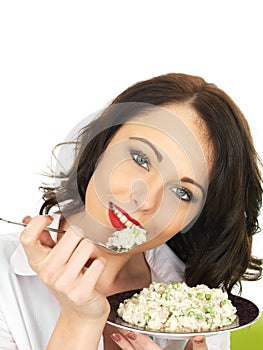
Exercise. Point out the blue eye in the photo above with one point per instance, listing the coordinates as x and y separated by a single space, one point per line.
141 159
183 193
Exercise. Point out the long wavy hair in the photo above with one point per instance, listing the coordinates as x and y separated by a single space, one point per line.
217 248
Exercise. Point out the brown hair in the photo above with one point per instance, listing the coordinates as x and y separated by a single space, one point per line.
217 248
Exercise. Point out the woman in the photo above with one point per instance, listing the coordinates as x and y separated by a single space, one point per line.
173 155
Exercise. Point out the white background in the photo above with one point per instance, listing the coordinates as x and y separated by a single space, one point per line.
62 60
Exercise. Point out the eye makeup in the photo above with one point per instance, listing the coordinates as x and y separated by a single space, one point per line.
143 161
140 158
183 193
147 142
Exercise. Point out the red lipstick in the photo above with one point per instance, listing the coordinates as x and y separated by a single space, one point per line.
115 221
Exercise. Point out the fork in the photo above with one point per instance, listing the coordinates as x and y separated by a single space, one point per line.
112 249
22 224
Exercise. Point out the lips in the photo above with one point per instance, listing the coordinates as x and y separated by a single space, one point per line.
120 219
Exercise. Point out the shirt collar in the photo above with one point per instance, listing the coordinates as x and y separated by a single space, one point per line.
165 265
18 261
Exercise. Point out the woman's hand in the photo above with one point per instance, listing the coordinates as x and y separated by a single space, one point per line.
62 268
138 341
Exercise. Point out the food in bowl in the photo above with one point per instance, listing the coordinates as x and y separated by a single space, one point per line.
175 307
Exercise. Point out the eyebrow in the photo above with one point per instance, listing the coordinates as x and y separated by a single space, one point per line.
191 181
157 153
185 179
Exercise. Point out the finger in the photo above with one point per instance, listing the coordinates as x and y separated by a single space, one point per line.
137 341
65 247
79 258
26 219
199 343
90 278
122 342
30 239
79 286
46 239
196 343
34 227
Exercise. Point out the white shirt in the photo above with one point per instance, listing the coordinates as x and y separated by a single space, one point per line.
29 312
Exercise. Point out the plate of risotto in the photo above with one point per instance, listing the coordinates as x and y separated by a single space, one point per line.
177 311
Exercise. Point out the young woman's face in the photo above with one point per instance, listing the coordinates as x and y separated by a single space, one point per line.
154 173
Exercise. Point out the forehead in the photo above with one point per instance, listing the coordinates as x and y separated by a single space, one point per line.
172 128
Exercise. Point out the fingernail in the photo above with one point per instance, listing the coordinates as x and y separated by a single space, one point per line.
49 216
199 340
115 337
27 217
131 335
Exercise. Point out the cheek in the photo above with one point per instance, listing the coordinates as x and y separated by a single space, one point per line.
120 179
172 217
113 181
181 220
93 199
126 182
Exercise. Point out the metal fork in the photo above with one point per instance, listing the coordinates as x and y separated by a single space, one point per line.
22 224
112 249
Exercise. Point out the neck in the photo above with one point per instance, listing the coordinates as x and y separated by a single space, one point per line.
124 272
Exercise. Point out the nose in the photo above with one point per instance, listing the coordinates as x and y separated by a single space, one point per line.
148 194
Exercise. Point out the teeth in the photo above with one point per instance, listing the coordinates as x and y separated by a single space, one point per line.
122 217
129 224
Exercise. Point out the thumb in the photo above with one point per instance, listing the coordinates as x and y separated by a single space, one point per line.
45 237
196 343
26 219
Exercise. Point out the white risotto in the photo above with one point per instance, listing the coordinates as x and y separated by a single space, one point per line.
175 307
124 240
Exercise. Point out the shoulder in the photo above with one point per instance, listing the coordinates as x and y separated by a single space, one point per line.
165 265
